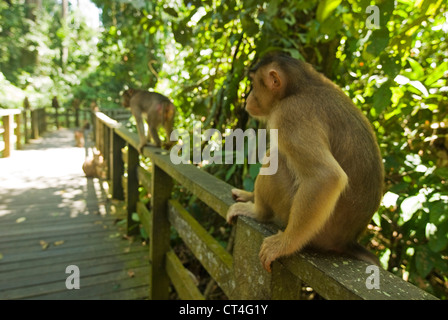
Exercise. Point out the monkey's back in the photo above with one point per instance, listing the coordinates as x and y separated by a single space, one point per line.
354 146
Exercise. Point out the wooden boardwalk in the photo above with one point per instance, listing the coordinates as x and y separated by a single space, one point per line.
52 216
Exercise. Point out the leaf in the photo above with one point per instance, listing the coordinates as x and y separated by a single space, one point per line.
250 27
230 172
254 169
438 212
379 40
423 261
135 217
436 74
325 8
171 11
381 99
114 235
1 256
58 243
131 273
391 65
143 233
411 205
420 87
438 237
44 244
417 69
442 173
20 220
248 184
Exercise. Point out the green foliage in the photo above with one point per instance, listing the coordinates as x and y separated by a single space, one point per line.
30 53
198 52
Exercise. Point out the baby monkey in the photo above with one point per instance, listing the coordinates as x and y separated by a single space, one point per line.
157 109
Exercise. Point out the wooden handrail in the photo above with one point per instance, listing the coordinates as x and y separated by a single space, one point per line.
240 275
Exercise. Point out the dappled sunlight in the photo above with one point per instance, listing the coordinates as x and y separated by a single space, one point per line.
49 172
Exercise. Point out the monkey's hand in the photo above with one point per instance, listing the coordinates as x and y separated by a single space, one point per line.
240 209
271 249
242 196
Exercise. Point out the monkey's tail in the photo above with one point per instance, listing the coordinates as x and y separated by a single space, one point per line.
357 251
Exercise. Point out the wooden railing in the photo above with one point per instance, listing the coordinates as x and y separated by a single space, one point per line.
18 126
240 274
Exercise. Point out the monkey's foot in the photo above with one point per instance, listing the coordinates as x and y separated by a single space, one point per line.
271 249
242 195
240 209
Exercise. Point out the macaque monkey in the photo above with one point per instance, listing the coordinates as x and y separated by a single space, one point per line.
156 108
329 180
93 166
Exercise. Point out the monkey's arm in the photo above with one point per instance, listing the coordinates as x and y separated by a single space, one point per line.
322 181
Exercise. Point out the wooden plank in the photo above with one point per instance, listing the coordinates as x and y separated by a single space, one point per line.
110 266
333 277
213 191
91 286
132 189
33 275
181 279
159 234
215 259
144 178
18 130
130 137
111 123
6 112
117 166
8 125
145 217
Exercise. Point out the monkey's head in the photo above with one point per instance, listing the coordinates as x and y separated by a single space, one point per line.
275 77
127 95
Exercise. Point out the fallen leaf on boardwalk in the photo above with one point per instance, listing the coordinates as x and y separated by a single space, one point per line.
20 220
127 250
1 256
115 235
131 274
44 244
58 243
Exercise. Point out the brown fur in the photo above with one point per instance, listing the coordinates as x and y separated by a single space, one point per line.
93 166
156 108
330 175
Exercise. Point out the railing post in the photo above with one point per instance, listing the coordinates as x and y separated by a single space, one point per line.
117 165
132 189
8 125
162 185
279 284
25 125
19 130
34 124
42 121
106 151
25 112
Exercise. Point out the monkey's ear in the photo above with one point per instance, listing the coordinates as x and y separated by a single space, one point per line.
275 81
